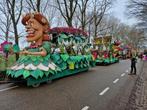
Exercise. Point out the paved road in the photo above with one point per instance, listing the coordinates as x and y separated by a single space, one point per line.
92 90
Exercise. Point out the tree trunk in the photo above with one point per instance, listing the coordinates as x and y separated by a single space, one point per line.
95 31
38 5
69 22
16 38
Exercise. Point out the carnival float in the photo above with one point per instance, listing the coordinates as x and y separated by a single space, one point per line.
145 55
52 53
5 51
104 51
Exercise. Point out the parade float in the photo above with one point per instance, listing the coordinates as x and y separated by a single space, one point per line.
4 47
1 60
145 55
105 52
52 53
116 50
127 51
1 50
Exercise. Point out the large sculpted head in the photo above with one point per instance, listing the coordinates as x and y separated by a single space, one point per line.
36 26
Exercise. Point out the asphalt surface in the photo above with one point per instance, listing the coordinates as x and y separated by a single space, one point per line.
101 88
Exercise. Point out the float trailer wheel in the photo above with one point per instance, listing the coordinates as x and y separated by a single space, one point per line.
36 85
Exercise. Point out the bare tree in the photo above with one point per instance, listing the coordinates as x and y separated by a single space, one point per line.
138 9
46 7
100 8
126 34
37 5
67 10
5 21
15 10
76 23
50 11
82 13
135 37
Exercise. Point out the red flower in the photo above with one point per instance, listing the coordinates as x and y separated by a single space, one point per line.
70 30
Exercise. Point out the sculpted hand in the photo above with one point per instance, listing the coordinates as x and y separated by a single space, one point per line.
24 52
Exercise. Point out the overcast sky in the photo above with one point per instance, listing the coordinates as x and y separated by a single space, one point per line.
119 11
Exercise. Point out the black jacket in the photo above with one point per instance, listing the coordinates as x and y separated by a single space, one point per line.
133 61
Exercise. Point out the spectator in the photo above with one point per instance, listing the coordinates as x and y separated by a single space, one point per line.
133 65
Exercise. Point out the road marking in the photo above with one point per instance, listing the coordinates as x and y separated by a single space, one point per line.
116 80
104 91
127 71
85 108
8 88
123 74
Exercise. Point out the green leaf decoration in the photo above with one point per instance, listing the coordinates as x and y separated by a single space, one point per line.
27 62
59 61
26 74
55 72
36 63
79 58
47 46
22 59
46 73
33 58
35 74
87 58
41 73
45 63
63 66
58 69
25 58
55 57
74 59
52 72
77 65
18 73
64 36
90 56
8 72
7 48
69 61
12 73
41 59
83 58
59 39
85 65
64 57
38 57
47 58
16 48
78 38
81 65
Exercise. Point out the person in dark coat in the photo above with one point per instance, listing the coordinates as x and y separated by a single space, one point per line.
133 65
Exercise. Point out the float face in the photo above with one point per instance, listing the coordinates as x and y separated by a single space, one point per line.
44 60
34 60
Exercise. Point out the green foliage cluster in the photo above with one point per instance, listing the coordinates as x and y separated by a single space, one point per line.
10 61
